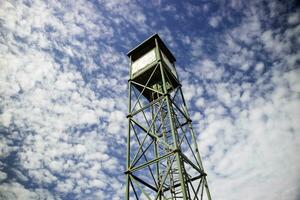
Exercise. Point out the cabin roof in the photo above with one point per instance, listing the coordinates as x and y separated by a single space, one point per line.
149 44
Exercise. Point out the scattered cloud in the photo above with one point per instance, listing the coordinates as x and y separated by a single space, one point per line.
63 98
214 21
294 18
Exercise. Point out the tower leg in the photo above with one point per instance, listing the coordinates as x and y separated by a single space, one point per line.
195 145
175 139
128 145
156 153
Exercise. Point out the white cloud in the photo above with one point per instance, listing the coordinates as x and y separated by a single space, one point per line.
65 187
258 142
200 102
294 18
47 98
196 46
207 69
259 66
116 122
63 88
17 191
248 132
215 21
128 11
192 9
3 176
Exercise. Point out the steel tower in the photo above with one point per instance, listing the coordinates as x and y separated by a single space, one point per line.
163 161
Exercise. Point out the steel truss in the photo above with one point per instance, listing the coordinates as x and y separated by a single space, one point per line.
163 160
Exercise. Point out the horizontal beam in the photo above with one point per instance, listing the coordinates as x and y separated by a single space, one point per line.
136 83
146 106
149 162
144 183
189 180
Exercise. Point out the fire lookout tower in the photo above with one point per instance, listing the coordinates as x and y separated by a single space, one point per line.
163 161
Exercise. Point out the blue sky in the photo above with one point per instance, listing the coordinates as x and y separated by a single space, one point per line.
63 93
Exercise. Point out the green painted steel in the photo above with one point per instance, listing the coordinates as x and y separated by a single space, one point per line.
163 159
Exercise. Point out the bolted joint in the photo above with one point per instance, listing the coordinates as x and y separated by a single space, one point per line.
203 174
177 150
129 115
166 94
127 172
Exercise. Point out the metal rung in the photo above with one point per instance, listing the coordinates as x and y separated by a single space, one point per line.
178 192
163 164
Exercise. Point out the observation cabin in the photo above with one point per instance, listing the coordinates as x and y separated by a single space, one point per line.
145 72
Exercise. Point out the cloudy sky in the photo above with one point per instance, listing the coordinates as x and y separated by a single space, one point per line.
63 93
